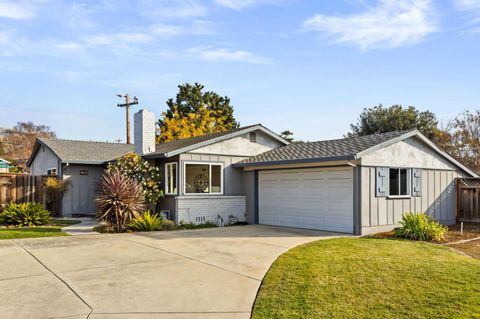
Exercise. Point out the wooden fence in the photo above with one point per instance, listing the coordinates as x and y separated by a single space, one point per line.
20 188
468 199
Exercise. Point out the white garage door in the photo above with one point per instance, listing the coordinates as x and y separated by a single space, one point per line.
307 198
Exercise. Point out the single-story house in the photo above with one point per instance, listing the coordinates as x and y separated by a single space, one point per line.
5 166
356 185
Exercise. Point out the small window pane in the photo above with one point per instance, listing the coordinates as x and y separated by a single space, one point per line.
394 182
171 187
196 178
216 179
253 137
403 182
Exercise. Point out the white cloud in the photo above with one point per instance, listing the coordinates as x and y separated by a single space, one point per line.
173 8
196 27
243 4
212 54
15 10
70 46
391 23
117 39
472 10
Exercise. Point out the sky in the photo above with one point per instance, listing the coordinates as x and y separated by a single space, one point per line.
309 66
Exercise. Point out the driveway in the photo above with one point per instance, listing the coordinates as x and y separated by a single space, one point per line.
211 273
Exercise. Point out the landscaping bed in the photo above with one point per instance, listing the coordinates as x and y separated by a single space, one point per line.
370 278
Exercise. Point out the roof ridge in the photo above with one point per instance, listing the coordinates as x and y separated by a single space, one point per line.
84 141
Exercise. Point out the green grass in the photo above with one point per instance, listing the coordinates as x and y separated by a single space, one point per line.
31 232
370 278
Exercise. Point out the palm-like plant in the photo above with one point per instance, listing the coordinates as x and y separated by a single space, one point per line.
119 200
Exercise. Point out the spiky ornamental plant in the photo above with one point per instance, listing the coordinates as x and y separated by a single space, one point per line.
148 176
119 199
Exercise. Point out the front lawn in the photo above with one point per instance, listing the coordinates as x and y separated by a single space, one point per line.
370 278
31 232
471 248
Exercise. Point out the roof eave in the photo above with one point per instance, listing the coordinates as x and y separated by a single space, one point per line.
297 161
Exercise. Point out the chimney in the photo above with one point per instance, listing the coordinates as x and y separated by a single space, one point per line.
144 132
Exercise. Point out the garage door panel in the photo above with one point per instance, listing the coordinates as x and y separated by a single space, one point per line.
307 198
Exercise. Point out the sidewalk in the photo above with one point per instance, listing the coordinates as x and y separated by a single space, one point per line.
84 228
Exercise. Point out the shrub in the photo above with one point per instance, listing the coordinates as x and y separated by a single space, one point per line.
54 189
207 224
146 222
419 226
168 225
25 215
148 176
119 200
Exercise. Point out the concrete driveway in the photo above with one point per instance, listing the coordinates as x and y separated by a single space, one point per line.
211 273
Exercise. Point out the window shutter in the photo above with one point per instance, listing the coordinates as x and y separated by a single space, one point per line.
416 182
382 181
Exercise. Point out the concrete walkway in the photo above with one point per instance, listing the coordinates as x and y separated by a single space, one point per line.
210 273
84 228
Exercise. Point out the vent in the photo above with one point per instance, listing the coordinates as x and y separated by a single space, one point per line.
253 137
200 219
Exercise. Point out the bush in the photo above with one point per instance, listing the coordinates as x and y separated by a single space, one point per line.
25 215
146 222
419 226
168 225
207 224
119 200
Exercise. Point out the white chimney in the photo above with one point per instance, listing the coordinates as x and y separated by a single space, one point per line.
144 132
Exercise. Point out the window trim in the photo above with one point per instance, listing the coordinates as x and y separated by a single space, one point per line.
166 178
409 184
184 173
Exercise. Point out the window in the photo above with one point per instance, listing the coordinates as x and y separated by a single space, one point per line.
52 172
171 178
253 137
203 178
399 182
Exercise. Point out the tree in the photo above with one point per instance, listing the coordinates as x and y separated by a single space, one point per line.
194 113
287 135
462 139
148 176
18 142
380 119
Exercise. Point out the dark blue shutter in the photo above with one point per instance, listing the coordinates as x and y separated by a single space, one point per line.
416 182
381 183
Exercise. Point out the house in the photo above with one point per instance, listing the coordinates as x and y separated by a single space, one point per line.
5 166
80 163
352 185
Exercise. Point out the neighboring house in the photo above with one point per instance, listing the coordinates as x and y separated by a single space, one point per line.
80 163
5 166
353 185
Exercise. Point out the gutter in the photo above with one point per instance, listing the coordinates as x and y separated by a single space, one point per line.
297 161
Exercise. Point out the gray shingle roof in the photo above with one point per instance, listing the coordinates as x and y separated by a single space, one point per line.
345 148
164 148
86 151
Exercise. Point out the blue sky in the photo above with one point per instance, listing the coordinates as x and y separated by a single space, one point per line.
310 66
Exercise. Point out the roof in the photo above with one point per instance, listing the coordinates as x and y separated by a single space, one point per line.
164 150
4 161
82 152
339 149
350 148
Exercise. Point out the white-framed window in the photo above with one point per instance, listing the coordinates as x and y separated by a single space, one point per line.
253 137
399 182
203 178
52 172
171 178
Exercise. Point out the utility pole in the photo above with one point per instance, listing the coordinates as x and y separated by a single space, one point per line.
127 105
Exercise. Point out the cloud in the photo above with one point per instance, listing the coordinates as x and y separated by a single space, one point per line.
243 4
391 23
472 10
197 27
117 39
173 8
212 54
15 10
